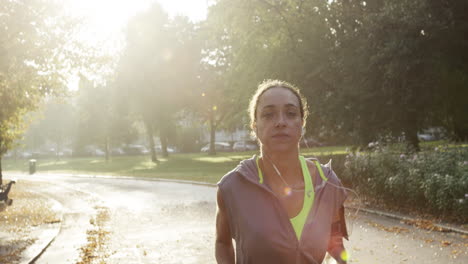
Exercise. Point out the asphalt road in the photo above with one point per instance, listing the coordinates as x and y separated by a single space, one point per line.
137 221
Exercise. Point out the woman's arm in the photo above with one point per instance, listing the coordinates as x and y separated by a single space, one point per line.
224 250
335 246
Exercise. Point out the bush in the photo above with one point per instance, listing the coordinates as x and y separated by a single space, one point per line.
435 180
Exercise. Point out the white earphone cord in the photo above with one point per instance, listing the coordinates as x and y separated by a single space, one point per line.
352 191
326 182
281 177
342 187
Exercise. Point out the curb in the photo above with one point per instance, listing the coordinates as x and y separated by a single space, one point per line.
45 235
444 228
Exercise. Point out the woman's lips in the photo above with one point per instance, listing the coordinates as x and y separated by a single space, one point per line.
281 135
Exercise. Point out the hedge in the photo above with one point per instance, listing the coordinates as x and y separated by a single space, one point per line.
433 181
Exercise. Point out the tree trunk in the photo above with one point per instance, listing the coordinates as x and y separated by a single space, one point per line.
212 134
460 132
1 174
411 134
163 139
107 149
412 142
149 131
57 156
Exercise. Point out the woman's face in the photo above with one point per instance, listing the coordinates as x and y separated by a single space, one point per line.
279 121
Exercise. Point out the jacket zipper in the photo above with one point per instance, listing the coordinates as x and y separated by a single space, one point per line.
282 212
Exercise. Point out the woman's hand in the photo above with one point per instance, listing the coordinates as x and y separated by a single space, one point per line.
335 246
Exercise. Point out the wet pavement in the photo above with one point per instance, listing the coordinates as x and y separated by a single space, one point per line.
145 222
136 221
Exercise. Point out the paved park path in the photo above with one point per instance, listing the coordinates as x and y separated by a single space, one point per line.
139 221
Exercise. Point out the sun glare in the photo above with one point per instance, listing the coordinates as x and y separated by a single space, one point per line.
105 20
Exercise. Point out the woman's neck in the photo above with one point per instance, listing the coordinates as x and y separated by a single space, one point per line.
286 162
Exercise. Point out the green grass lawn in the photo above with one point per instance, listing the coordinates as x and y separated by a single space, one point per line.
194 166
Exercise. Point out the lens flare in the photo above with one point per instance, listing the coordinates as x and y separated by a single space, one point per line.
167 55
287 190
344 255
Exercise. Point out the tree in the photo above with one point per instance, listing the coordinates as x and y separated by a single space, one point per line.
139 65
53 122
215 102
34 51
218 98
368 68
450 65
176 92
159 51
391 64
289 40
93 115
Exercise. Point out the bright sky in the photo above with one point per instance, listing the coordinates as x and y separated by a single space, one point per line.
106 19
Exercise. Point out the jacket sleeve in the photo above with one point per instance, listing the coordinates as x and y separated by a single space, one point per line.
338 227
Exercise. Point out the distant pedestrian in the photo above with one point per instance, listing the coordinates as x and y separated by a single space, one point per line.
279 207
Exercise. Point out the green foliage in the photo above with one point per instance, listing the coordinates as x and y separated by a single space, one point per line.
261 40
158 70
36 50
367 68
99 119
432 180
53 122
394 70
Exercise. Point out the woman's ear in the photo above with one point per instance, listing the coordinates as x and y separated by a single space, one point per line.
254 128
253 132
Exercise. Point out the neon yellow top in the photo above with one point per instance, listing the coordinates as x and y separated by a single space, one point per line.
299 220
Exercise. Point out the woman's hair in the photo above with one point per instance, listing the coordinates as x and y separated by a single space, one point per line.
268 84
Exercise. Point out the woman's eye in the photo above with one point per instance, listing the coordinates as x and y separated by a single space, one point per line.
267 115
292 114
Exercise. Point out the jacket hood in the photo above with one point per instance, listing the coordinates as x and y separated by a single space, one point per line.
248 169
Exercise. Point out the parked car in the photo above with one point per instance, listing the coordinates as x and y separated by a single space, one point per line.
117 151
26 155
426 137
47 153
219 146
244 146
66 152
169 149
98 152
88 151
135 150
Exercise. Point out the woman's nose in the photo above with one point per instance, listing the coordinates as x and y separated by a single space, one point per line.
281 121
